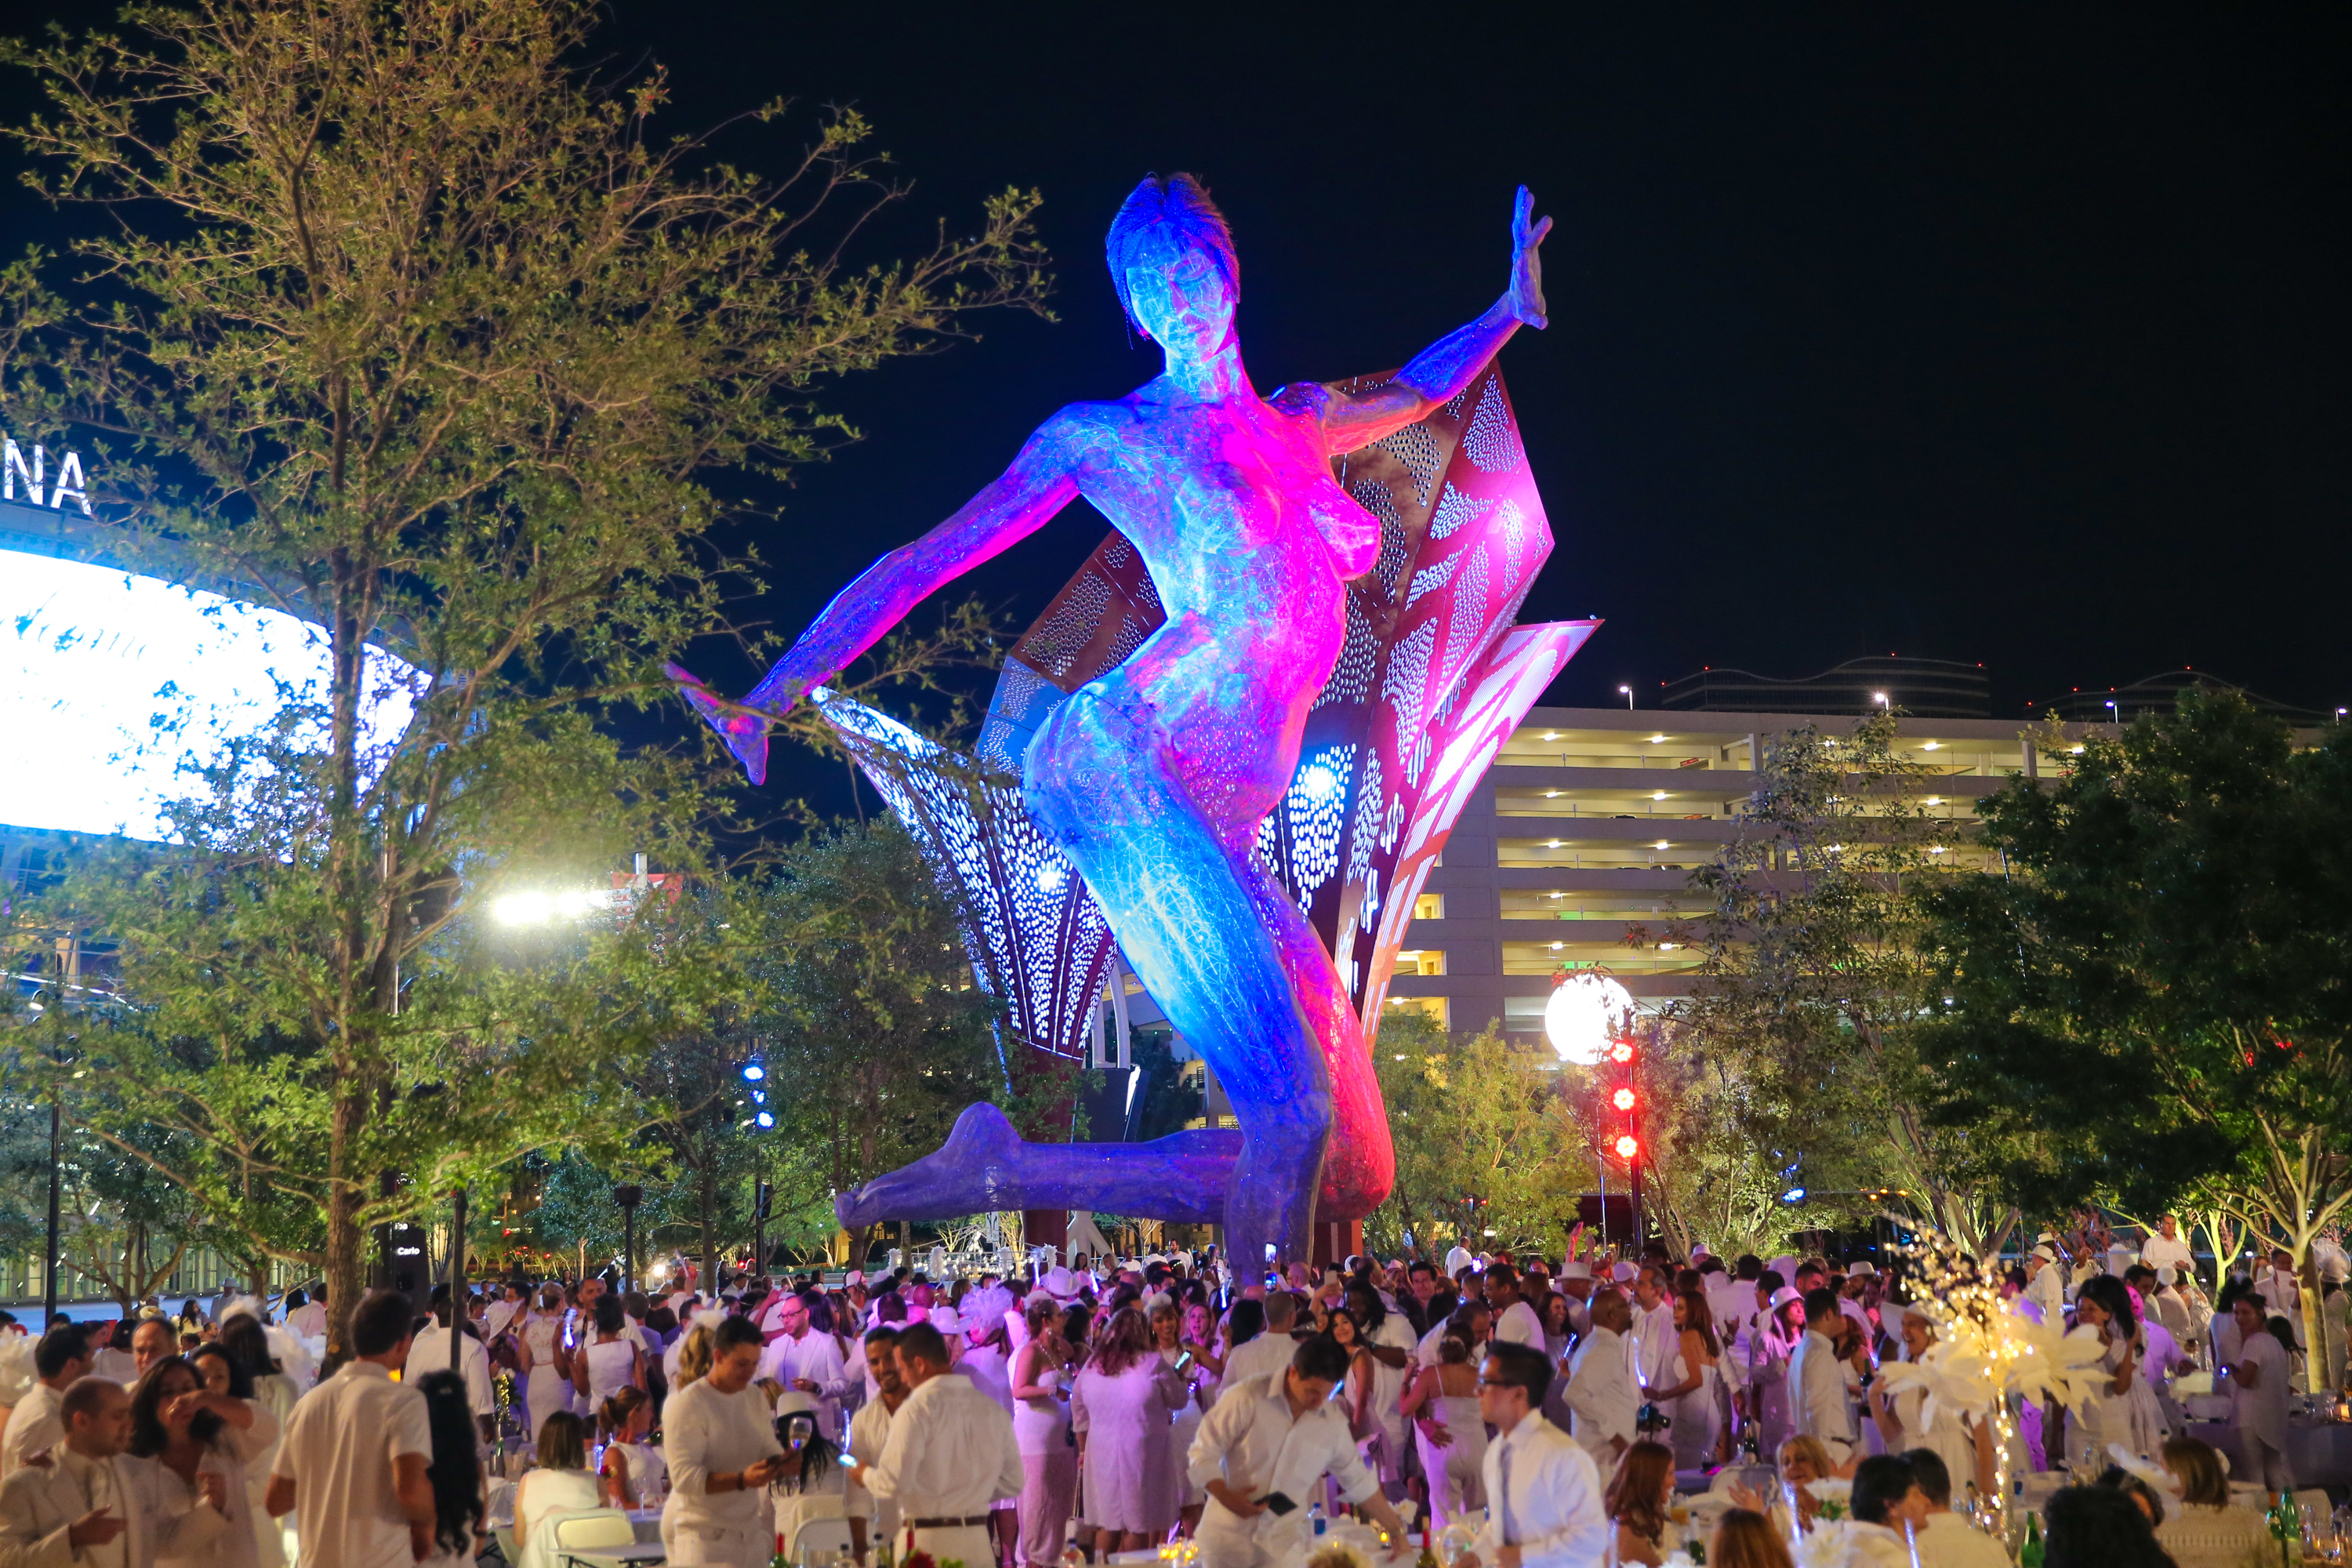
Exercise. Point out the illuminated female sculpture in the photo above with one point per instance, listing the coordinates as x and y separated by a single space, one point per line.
1153 779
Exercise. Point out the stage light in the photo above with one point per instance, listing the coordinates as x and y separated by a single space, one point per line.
1626 1146
1621 1052
1793 1195
524 908
1623 1099
1584 1013
755 1072
765 1119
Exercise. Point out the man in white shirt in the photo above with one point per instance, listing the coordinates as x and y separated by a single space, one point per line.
869 1434
350 1467
1575 1282
1945 1539
721 1446
502 1311
1269 1352
38 1423
84 1506
2282 1292
2258 1399
1457 1261
151 1342
949 1456
2165 1245
1543 1493
1818 1406
429 1351
1656 1338
1278 1438
799 1357
2045 1284
1602 1402
1516 1322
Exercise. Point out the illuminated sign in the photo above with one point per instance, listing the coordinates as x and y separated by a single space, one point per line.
40 488
113 685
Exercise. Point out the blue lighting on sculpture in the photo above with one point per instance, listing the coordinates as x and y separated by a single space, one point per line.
1172 782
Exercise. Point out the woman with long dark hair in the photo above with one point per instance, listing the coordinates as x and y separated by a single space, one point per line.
1121 1407
188 1450
242 1359
2123 1408
1041 1426
456 1472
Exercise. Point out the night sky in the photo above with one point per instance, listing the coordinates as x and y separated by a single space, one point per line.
2000 333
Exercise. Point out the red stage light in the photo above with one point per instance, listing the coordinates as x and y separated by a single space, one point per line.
1626 1147
1623 1099
1621 1052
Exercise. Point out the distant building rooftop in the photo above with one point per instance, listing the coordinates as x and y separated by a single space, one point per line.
2160 693
1929 688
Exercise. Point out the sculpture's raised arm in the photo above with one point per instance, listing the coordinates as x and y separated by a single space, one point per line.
1351 420
1038 484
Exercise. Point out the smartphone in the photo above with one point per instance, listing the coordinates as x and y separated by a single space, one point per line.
1276 1504
848 1460
1184 1360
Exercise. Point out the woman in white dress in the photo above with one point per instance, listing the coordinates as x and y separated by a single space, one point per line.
1775 1341
613 1358
546 1365
1041 1426
1902 1422
1696 1395
182 1431
1442 1404
2123 1408
1167 1337
245 1344
560 1482
634 1473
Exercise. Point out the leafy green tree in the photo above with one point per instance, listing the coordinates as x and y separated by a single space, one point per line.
1705 1179
1815 970
399 322
2150 998
1487 1137
870 1030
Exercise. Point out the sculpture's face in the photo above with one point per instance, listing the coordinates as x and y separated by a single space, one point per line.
1182 301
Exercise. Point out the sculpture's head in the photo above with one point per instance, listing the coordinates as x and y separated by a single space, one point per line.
1172 258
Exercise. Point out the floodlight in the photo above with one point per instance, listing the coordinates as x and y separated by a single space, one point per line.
1584 1013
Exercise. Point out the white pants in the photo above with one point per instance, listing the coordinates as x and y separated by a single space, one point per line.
2264 1463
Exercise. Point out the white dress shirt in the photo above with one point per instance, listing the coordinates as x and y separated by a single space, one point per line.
39 1504
1543 1496
1601 1401
2047 1290
1818 1406
869 1434
1253 1443
308 1320
704 1433
1656 1343
1268 1355
2160 1249
339 1445
96 1484
816 1357
429 1352
1947 1542
950 1453
2261 1411
1517 1324
33 1425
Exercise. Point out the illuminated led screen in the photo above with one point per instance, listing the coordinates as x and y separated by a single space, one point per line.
110 681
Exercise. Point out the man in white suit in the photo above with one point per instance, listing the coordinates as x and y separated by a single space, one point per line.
1601 1402
84 1509
1818 1406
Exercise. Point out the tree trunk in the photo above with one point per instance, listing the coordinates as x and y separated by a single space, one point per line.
705 1193
345 1240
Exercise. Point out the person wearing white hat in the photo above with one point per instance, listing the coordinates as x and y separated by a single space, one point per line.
808 1360
1575 1282
814 1483
2045 1283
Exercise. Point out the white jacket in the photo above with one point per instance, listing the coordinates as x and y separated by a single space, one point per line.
39 1503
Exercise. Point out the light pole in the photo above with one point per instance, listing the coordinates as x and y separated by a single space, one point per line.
628 1198
1628 693
457 1281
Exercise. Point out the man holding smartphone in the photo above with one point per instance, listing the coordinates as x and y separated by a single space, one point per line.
1262 1450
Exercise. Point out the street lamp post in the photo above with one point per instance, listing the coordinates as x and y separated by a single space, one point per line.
628 1198
1627 692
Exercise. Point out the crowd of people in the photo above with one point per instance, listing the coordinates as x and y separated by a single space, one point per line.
1534 1412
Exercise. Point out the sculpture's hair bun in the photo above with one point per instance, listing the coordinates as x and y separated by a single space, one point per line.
1163 218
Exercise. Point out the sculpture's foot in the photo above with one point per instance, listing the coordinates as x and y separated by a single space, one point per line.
745 729
985 1167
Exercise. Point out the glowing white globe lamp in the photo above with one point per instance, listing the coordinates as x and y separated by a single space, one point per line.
1587 1012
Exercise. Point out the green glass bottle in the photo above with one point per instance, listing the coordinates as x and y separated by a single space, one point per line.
2029 1554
